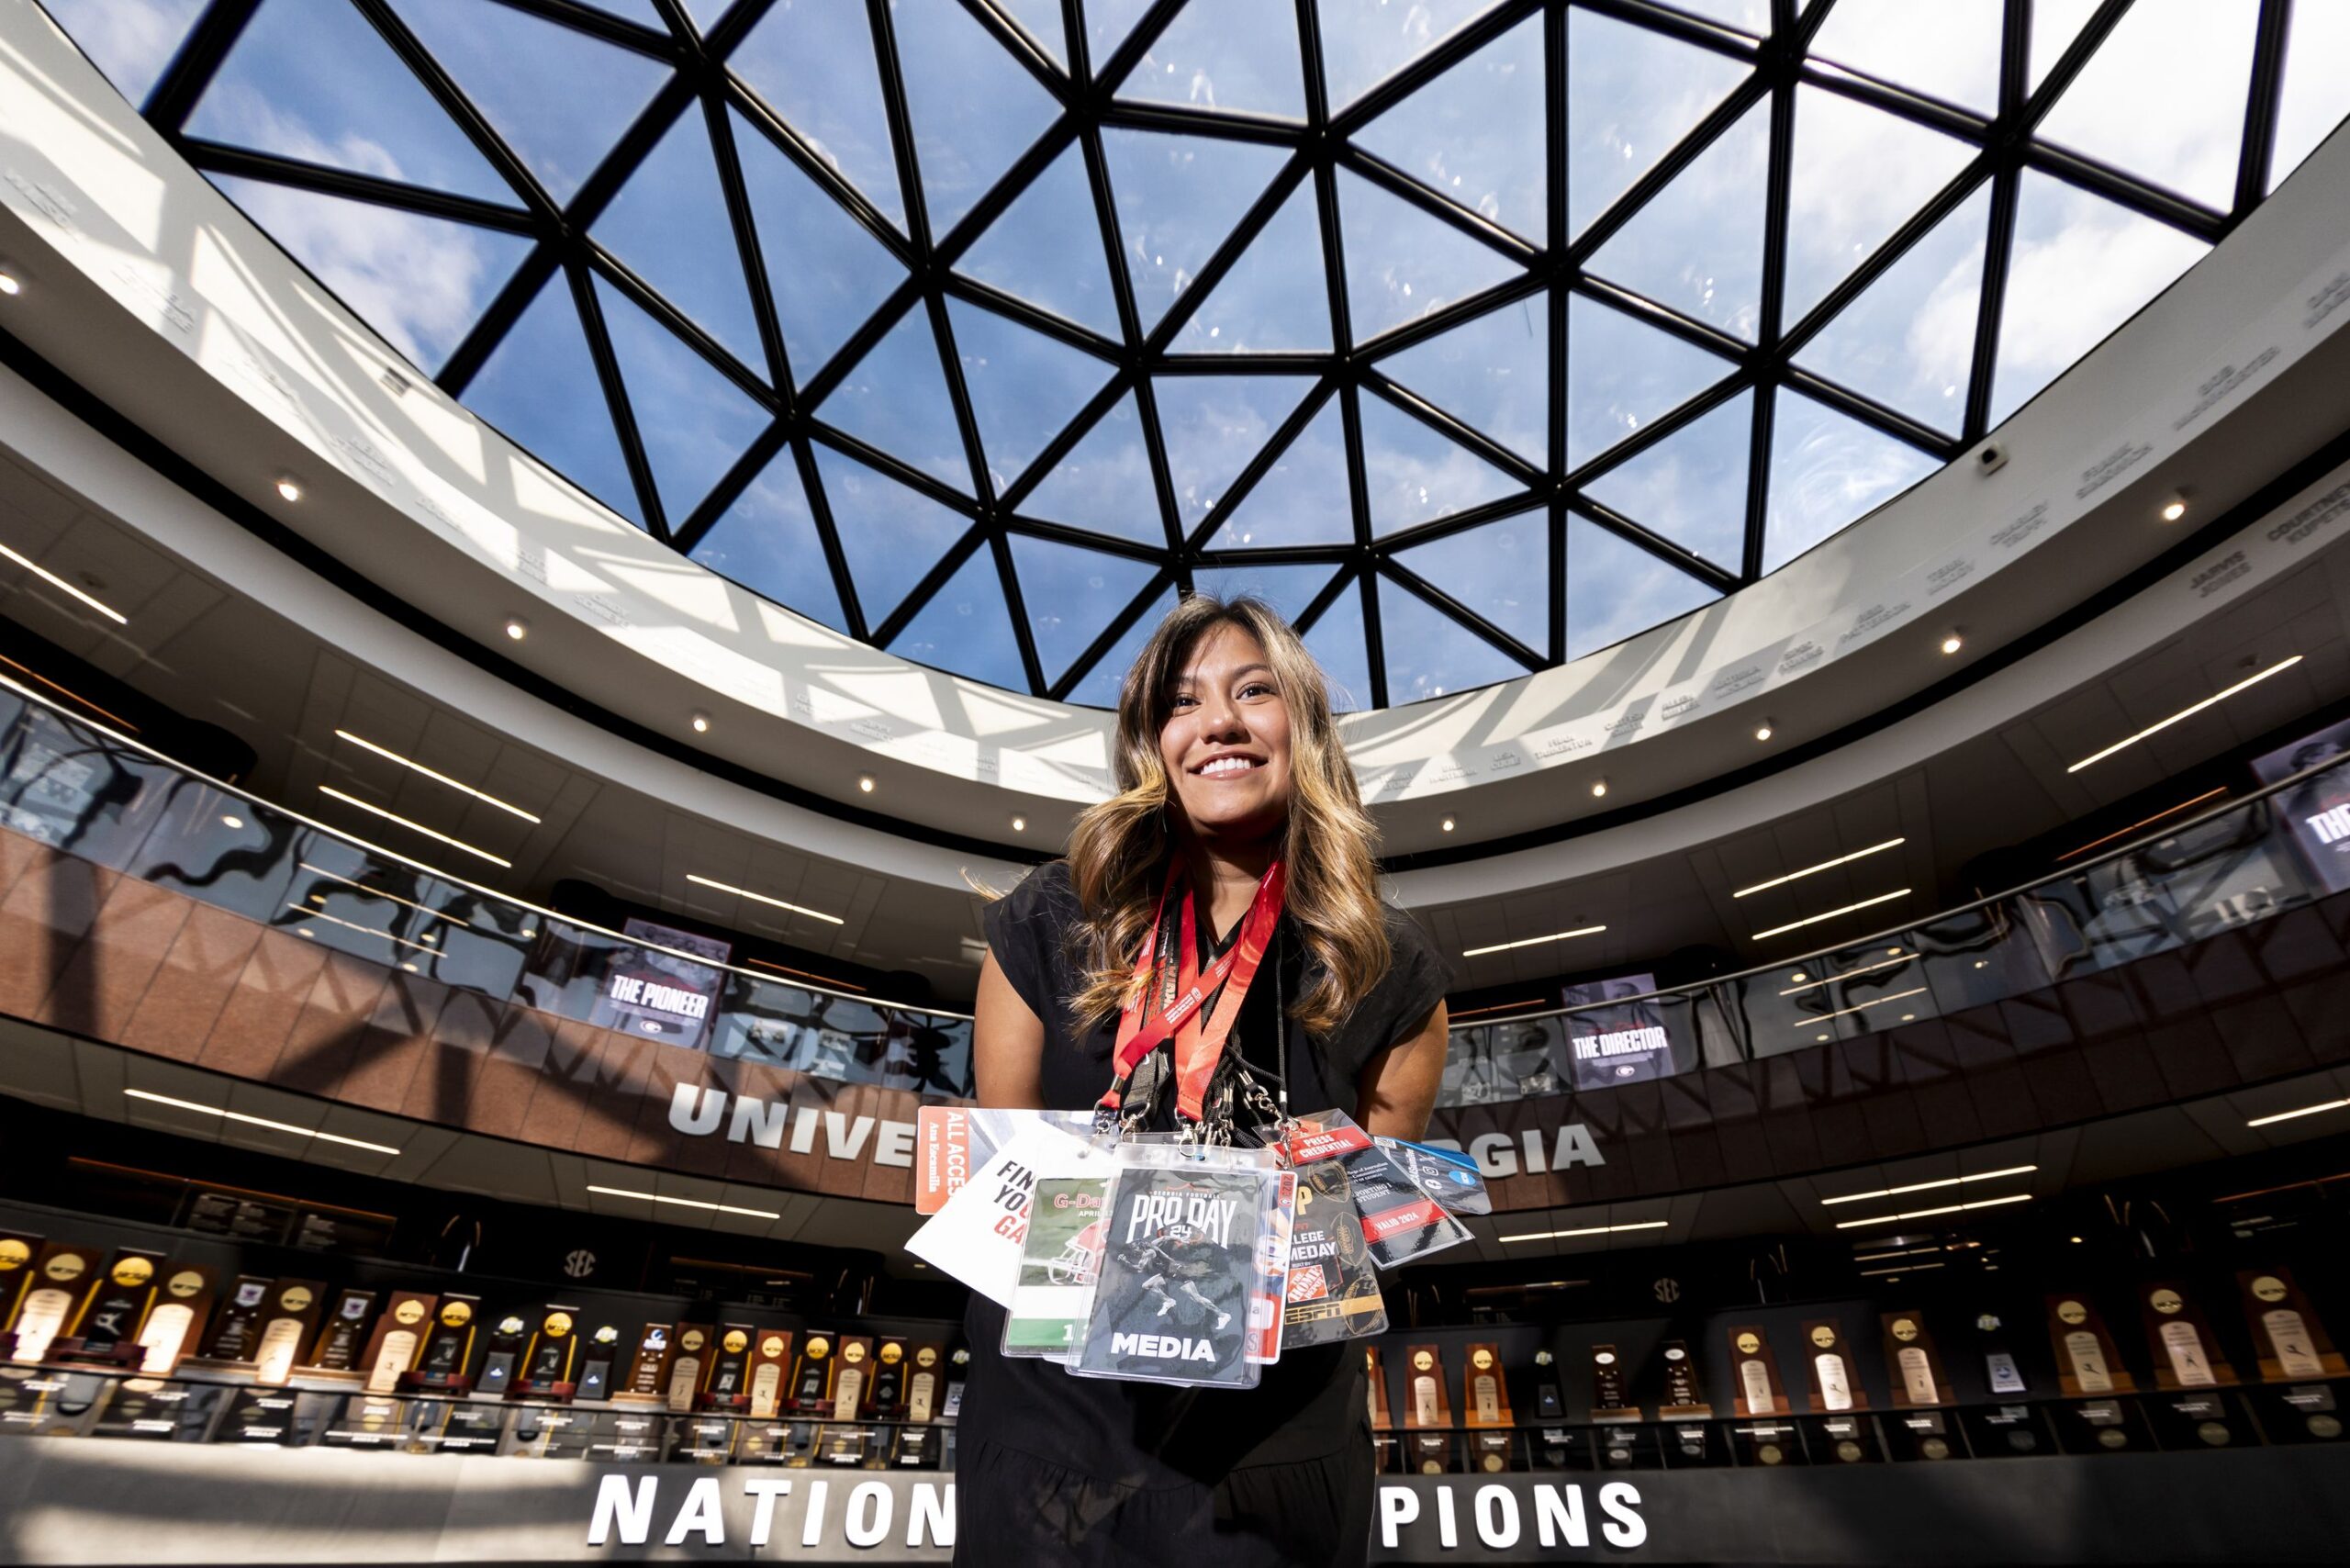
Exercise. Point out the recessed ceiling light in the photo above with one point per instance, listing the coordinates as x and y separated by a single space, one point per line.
1020 824
2304 1111
1763 731
1929 1186
1447 826
1599 786
9 285
1534 941
1823 866
685 1203
53 580
1952 641
700 880
702 723
1591 1230
1944 1209
1799 977
232 822
289 489
2076 1241
411 764
2188 712
865 783
1831 914
258 1121
517 628
2175 507
434 834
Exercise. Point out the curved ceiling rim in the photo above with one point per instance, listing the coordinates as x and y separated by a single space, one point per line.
101 104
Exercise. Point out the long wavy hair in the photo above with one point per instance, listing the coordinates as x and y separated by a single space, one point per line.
1118 851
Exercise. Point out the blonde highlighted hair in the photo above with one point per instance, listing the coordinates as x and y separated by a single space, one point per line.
1118 851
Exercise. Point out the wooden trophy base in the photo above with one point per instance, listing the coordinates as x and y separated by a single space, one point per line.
560 1392
723 1404
447 1385
72 1352
1627 1413
1685 1413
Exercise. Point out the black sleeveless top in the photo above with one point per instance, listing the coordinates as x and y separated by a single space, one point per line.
1310 1403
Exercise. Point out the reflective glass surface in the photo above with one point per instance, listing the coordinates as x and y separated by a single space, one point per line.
1514 260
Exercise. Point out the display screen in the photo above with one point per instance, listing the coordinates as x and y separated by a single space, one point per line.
2316 811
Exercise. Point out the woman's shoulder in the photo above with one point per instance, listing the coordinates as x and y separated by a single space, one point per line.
1046 897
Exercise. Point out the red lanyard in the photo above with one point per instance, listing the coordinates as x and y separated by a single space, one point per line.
1199 1044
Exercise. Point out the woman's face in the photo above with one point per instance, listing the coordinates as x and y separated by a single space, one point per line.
1226 742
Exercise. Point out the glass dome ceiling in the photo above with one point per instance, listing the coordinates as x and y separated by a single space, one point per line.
1476 335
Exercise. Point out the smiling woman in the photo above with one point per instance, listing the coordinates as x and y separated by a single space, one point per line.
1236 825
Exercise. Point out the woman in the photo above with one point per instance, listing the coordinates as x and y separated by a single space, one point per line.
1228 764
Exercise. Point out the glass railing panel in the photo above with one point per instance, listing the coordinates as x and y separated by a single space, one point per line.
74 789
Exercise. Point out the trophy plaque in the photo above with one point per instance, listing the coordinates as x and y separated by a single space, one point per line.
43 1311
1682 1400
843 1445
2086 1362
811 1377
1609 1402
1550 1404
1834 1389
2292 1343
237 1329
288 1322
183 1304
888 1399
954 1405
648 1365
914 1447
2187 1353
853 1383
448 1348
1381 1420
1911 1362
702 1439
770 1363
921 1382
686 1365
595 1362
1426 1410
1486 1406
728 1386
2001 1374
547 1360
106 1327
17 1249
343 1335
398 1338
1756 1374
507 1337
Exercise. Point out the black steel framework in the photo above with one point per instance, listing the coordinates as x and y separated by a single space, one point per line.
1086 92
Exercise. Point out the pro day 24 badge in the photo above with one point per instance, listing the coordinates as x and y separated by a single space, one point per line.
1178 1264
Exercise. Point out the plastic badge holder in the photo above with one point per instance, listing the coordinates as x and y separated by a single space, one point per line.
1452 1180
1179 1266
1400 1222
1267 1301
1059 1261
1333 1290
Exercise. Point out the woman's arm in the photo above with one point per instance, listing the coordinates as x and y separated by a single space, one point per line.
1398 1088
1008 1046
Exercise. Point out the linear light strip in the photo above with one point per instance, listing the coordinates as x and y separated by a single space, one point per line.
686 1202
1823 866
1901 1268
745 893
806 974
2142 822
259 1120
310 911
2186 712
1848 974
1930 1186
434 834
1534 941
482 795
2304 1111
45 575
1591 1230
1815 919
1927 1214
69 694
442 916
1862 1007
